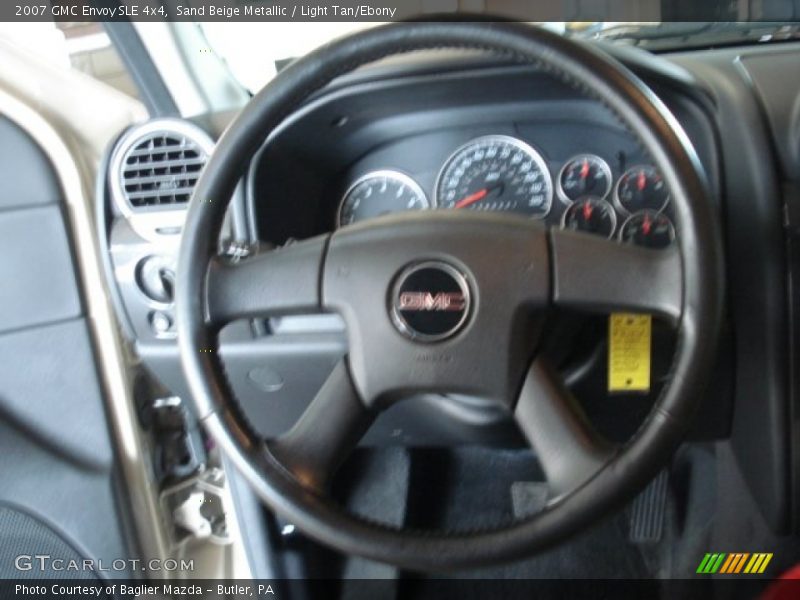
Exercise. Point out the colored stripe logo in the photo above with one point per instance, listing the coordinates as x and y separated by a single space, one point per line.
734 563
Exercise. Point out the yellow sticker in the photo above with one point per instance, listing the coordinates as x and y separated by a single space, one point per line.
629 352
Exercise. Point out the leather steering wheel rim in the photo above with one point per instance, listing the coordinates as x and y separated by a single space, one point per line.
697 320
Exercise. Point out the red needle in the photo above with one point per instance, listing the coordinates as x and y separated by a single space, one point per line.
641 181
646 225
585 169
588 209
472 198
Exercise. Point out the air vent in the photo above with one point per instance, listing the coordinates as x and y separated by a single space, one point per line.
161 169
156 165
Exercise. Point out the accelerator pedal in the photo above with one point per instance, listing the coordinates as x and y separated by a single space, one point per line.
649 510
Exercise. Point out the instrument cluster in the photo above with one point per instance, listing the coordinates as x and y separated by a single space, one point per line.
501 173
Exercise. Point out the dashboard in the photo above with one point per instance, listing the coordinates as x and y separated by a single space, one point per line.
381 148
453 132
481 137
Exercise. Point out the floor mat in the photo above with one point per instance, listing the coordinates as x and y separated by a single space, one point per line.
471 487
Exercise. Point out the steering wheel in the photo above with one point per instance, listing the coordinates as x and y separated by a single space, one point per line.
454 303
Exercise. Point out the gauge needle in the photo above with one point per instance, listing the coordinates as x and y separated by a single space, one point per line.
588 209
641 181
647 224
475 197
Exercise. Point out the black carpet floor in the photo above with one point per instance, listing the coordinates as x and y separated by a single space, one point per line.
709 509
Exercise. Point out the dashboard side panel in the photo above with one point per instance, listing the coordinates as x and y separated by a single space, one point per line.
757 290
775 79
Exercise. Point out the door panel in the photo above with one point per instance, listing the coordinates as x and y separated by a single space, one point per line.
59 491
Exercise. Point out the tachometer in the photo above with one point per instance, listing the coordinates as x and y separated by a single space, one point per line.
584 175
496 173
590 215
380 193
642 188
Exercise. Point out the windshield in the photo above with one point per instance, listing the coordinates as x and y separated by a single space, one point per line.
255 52
275 44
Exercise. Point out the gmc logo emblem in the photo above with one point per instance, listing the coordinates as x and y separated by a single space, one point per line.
437 312
425 301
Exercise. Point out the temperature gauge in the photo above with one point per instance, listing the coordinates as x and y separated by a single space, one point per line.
590 215
648 228
584 175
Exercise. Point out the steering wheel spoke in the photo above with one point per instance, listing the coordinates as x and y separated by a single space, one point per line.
326 432
597 275
568 448
278 282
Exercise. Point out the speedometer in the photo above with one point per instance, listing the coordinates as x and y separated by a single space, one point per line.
496 173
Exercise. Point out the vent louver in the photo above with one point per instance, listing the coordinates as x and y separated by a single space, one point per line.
161 169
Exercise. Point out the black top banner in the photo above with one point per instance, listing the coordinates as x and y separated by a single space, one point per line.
394 10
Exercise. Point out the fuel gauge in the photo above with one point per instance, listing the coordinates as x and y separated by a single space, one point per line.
649 229
591 215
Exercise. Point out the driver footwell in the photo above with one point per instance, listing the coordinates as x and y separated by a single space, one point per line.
470 487
460 489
